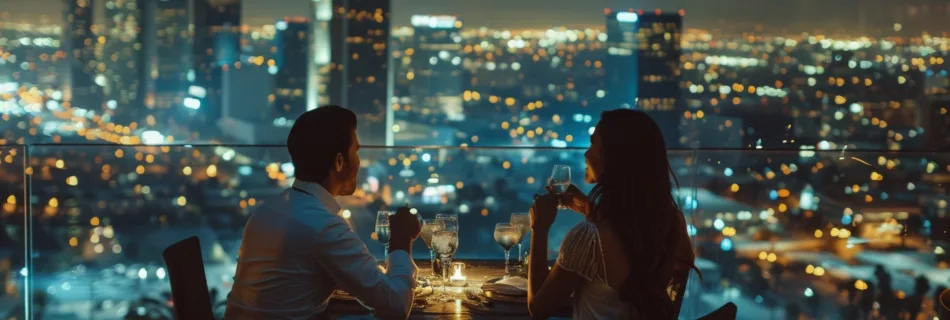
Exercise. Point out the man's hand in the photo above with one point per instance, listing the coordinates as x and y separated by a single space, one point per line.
404 228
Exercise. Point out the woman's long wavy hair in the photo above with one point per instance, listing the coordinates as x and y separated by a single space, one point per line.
634 192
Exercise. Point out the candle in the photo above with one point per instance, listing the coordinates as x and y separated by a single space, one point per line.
457 274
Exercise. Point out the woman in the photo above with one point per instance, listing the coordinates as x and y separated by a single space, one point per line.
632 222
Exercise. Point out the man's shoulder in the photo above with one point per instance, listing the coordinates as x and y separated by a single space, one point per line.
299 207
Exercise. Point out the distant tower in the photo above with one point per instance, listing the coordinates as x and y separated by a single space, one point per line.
79 44
293 58
658 57
169 54
360 73
124 57
216 47
321 49
620 83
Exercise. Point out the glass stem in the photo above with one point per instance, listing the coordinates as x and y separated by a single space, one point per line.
520 254
446 265
507 254
385 252
432 263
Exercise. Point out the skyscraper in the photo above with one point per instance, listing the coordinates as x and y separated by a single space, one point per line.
620 83
658 83
293 57
436 85
78 42
216 46
319 69
168 41
360 77
124 57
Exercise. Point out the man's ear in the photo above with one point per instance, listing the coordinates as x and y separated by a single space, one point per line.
339 162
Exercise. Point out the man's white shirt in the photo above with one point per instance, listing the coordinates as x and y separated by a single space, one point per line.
296 251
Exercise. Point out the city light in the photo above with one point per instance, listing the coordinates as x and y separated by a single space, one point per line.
192 103
628 17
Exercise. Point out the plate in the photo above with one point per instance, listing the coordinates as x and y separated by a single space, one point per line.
503 289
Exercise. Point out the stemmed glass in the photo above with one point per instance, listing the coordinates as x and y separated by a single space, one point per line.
523 221
449 221
382 231
507 235
445 243
560 179
429 228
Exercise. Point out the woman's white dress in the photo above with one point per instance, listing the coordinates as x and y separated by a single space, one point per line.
581 252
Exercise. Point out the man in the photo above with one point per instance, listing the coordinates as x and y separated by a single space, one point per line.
296 249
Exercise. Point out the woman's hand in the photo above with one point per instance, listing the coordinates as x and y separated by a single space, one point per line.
574 199
544 211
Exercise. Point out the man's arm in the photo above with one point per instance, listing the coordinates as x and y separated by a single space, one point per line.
345 257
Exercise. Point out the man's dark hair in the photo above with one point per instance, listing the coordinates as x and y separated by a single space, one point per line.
316 138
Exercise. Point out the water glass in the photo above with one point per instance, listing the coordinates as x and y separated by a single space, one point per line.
429 228
382 231
445 243
523 221
507 235
450 221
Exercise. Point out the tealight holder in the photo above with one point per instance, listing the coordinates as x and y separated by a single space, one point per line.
458 278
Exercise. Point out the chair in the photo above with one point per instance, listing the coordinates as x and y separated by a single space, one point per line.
944 310
728 311
186 272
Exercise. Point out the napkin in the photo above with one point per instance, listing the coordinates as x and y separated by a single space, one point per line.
513 286
517 282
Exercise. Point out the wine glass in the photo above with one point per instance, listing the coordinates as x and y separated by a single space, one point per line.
449 221
382 231
523 221
507 235
445 243
560 178
429 228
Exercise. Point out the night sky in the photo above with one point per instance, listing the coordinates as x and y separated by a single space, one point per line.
798 15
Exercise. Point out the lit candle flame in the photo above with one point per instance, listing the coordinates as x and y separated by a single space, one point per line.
457 275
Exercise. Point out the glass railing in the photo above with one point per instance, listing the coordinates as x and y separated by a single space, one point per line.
777 232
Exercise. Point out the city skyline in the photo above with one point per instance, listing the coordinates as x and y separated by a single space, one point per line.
800 15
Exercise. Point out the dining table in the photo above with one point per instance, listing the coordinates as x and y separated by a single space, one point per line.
435 300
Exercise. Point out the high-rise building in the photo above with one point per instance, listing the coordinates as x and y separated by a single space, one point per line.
436 84
78 42
658 59
360 73
620 82
124 57
293 58
168 41
319 69
216 47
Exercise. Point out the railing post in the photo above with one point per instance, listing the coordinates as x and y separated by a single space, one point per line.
27 235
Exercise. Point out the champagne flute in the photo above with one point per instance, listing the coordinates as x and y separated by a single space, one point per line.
445 243
507 235
382 231
523 221
429 228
